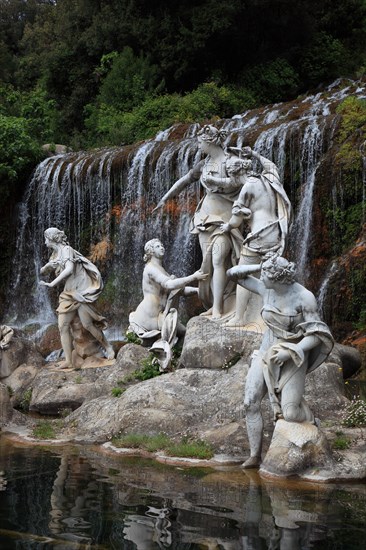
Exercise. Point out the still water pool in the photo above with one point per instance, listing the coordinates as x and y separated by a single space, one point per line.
78 498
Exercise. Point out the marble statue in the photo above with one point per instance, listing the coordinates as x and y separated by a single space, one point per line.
296 342
156 317
82 286
265 207
219 250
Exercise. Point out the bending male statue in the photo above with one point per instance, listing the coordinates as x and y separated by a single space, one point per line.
296 342
264 205
83 285
156 315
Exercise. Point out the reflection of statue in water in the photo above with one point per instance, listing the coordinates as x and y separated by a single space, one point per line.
264 205
83 285
219 250
156 316
295 343
149 530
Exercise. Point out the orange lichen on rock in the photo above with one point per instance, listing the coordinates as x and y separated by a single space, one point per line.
100 252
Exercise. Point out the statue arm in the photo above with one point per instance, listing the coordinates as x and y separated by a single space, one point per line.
243 275
65 273
182 183
180 282
68 267
172 283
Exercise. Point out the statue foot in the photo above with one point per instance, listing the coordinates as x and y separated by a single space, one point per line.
252 462
216 316
110 352
234 322
207 313
65 365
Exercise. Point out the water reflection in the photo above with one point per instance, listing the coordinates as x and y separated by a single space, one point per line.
76 498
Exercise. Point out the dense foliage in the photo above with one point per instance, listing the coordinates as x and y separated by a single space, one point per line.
106 65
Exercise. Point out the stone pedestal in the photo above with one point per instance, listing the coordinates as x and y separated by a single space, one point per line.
85 345
212 345
295 448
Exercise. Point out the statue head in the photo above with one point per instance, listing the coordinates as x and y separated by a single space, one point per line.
278 269
210 134
235 166
55 235
154 247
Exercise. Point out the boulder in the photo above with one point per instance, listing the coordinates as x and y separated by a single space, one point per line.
20 351
350 359
194 402
49 340
212 345
55 389
20 381
295 448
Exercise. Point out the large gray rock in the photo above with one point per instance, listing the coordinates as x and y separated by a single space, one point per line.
55 389
296 448
212 345
197 402
20 351
203 403
5 406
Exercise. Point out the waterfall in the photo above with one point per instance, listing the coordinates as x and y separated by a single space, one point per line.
323 290
104 201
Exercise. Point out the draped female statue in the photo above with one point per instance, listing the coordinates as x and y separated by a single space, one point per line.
296 342
82 286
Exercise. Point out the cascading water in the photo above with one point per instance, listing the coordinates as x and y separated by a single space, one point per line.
104 201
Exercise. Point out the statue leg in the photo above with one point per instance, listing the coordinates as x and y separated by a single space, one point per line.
255 390
242 294
293 404
220 251
64 321
88 324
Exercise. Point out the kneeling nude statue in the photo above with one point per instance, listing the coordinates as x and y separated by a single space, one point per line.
295 342
156 317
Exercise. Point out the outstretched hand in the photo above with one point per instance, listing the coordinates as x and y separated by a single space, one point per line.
200 276
43 283
160 205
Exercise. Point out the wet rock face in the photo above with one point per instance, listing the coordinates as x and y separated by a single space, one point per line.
5 407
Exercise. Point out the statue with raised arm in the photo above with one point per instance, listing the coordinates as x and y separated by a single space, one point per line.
156 317
296 342
82 286
219 250
266 209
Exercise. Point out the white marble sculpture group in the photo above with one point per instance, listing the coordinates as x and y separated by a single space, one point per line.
242 223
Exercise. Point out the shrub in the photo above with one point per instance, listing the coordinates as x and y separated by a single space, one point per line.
161 442
44 430
117 392
355 414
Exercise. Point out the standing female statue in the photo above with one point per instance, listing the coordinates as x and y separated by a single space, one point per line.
83 285
219 251
295 343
